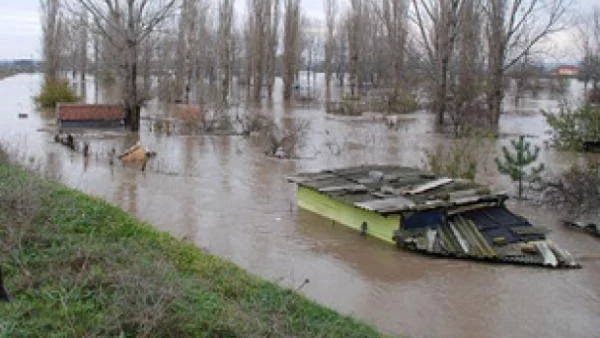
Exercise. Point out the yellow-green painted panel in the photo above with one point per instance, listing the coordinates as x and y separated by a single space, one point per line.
377 225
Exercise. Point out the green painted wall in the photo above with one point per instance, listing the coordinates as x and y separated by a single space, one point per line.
377 226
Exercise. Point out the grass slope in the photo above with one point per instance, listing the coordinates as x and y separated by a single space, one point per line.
76 266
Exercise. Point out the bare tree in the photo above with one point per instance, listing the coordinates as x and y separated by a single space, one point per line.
437 21
466 71
272 44
291 40
51 27
82 61
249 50
589 39
225 47
307 50
355 26
342 49
185 49
147 62
393 16
74 54
126 24
513 28
330 19
260 13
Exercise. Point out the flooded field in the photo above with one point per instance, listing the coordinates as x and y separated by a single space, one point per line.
223 194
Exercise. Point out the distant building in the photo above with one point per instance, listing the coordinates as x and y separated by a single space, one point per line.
89 115
566 70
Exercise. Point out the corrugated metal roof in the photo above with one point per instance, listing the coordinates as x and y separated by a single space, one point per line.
390 189
442 216
89 112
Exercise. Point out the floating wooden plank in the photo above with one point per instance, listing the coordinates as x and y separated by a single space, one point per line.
351 188
547 254
475 199
462 193
386 189
310 177
393 203
563 256
330 182
430 186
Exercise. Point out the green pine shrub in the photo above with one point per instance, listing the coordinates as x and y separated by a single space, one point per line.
54 92
515 163
572 128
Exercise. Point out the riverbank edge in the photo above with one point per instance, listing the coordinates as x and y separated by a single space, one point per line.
6 73
213 297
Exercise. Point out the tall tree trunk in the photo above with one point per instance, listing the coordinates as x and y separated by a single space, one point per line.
52 30
290 53
132 107
354 32
495 96
96 69
261 11
441 92
496 47
225 41
83 50
330 15
273 44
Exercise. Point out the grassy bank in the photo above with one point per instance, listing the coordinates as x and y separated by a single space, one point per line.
76 266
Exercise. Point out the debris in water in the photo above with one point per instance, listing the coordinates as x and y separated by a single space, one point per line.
86 149
136 153
66 140
590 228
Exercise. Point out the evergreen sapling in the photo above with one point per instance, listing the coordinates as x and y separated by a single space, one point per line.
515 163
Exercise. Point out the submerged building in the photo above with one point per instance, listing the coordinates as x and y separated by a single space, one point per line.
424 212
76 115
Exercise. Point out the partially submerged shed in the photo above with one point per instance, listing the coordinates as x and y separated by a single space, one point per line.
424 212
89 115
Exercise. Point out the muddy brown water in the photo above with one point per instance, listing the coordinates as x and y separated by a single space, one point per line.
222 194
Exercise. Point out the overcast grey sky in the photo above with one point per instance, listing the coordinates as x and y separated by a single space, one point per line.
20 31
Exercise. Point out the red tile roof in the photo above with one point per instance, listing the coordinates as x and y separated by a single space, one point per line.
89 112
569 67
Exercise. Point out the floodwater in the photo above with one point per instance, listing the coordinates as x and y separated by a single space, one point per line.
224 195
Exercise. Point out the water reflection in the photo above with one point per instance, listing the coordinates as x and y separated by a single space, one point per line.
223 194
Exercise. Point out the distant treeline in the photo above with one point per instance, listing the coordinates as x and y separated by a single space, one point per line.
20 65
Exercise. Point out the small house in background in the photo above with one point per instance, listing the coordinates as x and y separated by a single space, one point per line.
90 115
566 70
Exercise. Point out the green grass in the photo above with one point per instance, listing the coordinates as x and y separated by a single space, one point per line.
76 266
